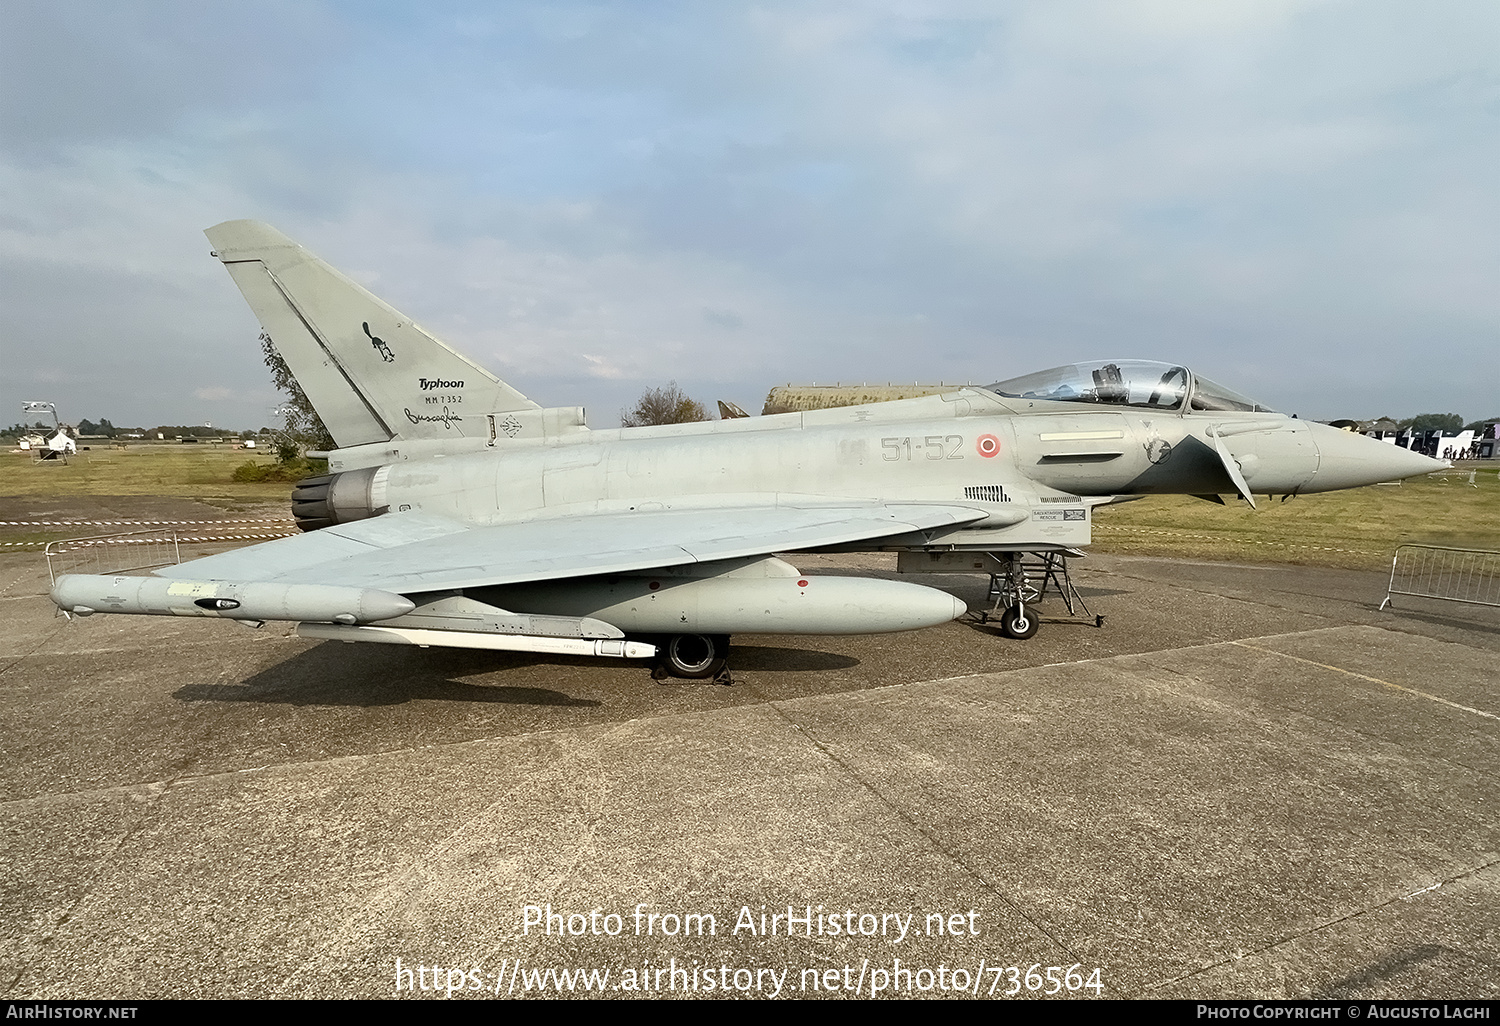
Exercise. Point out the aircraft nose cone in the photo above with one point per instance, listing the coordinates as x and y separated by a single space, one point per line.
1347 460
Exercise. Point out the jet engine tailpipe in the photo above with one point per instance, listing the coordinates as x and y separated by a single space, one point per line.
339 498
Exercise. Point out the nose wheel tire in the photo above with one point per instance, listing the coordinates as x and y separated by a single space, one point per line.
1019 622
694 656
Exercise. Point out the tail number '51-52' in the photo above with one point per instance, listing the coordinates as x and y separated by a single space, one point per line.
933 447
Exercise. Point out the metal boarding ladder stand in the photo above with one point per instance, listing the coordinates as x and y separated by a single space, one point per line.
1020 579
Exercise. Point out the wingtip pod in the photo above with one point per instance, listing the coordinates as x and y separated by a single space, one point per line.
154 596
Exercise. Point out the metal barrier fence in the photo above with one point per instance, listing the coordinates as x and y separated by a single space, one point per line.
1440 572
107 554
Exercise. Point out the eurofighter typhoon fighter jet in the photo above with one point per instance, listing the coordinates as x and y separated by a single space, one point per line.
458 512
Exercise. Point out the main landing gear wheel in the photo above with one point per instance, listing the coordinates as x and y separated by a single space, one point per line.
1020 623
693 656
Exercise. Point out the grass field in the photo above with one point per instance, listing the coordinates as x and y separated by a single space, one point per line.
192 471
1356 529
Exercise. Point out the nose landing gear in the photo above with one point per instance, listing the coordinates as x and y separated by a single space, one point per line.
1020 580
1019 623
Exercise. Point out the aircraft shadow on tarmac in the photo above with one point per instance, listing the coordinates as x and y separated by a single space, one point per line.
774 659
337 674
1089 593
1391 967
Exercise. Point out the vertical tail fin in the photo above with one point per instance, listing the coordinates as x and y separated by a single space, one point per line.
370 372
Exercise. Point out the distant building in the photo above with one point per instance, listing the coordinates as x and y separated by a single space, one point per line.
1487 445
1383 428
1445 445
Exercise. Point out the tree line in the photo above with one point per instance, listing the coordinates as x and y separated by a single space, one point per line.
104 428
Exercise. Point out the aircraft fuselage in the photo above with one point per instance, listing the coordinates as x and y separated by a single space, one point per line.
1035 467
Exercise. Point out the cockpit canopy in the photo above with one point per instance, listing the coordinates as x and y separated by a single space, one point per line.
1140 383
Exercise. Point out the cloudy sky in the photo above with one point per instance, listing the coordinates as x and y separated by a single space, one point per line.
1296 197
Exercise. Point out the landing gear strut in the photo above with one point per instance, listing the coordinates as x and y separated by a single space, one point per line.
1019 580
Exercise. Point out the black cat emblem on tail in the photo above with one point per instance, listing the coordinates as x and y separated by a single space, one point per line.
380 346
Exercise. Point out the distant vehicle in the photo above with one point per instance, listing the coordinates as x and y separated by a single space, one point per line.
461 513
